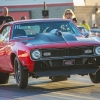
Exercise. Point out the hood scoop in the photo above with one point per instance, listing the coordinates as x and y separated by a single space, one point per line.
65 35
54 36
56 32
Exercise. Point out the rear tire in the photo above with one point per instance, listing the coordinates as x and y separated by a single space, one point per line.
58 78
21 75
4 78
95 77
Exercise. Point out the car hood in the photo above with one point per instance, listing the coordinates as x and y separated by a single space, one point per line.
96 38
58 40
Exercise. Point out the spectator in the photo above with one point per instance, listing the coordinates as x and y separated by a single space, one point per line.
84 24
94 26
23 18
68 14
5 17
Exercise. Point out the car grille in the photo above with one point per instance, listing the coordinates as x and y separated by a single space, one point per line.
67 52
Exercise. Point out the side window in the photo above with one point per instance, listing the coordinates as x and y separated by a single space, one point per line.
5 33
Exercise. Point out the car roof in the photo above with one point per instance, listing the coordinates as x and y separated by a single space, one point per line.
38 20
80 26
95 29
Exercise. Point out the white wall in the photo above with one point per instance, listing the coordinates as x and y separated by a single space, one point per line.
30 2
79 2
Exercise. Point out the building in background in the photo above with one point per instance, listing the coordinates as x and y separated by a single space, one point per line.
32 9
90 11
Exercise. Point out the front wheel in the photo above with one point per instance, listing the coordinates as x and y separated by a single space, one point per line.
95 77
21 75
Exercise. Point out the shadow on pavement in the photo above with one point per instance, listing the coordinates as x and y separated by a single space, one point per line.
36 88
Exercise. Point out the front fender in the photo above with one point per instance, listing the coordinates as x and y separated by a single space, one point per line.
23 54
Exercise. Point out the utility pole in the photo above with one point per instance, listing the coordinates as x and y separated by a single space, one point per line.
45 12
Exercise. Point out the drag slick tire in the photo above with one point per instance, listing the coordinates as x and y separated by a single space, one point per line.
95 77
4 78
58 78
21 75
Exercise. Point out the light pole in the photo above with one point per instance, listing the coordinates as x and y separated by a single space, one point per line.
45 12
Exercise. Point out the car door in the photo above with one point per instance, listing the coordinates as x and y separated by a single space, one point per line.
4 41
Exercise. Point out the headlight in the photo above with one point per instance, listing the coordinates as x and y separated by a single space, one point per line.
46 54
36 54
97 50
88 51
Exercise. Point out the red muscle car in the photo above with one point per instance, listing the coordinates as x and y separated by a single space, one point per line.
46 47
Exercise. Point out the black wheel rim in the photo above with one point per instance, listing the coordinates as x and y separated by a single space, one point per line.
17 71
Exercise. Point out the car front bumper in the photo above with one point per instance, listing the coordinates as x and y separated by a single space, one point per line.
64 66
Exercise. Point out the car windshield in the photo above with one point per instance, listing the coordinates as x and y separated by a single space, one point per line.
32 28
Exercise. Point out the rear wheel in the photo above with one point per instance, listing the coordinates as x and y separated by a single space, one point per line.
95 77
58 78
21 75
4 78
